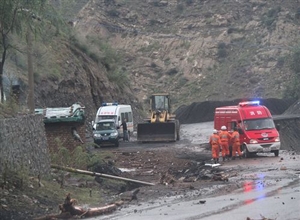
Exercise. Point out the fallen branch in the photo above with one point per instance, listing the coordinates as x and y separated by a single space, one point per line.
73 170
69 210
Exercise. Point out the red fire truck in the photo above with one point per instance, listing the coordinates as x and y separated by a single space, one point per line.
255 124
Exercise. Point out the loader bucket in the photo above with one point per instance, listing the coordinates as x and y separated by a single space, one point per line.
155 132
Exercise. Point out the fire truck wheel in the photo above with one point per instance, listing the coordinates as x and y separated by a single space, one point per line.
246 153
276 152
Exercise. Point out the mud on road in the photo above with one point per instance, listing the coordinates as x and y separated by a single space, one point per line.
237 189
263 186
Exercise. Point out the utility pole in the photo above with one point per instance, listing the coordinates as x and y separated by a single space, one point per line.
30 98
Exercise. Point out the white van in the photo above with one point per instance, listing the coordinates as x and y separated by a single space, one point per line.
118 113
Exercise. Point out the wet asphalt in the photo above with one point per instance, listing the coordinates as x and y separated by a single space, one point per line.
264 186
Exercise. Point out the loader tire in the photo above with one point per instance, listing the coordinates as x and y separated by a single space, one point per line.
177 126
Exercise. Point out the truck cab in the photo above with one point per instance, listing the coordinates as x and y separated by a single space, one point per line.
255 124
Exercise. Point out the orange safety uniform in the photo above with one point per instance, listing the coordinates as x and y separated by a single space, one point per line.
214 141
225 138
235 137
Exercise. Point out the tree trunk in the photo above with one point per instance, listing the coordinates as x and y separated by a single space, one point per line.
2 69
73 170
69 211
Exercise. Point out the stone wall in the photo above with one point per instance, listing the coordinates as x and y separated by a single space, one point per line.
60 134
23 145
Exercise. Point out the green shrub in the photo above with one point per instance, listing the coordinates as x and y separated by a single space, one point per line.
189 2
36 77
9 108
172 71
167 61
280 62
151 47
270 17
182 81
221 53
113 13
153 65
110 58
294 61
152 22
118 77
233 30
156 3
94 57
78 158
292 90
180 8
297 14
20 60
54 75
186 44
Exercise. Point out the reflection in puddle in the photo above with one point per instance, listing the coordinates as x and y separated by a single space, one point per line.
257 185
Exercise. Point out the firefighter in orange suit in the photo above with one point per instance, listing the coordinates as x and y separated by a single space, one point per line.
225 138
214 142
236 145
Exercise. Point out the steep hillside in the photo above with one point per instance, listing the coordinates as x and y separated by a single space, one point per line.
198 50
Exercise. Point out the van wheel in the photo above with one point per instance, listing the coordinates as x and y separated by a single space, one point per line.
178 136
276 152
128 136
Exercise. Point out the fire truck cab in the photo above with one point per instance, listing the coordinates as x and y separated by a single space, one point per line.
255 124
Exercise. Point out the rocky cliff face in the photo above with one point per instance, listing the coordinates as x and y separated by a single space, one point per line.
83 81
198 50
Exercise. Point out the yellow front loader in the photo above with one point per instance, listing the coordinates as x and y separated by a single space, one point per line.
161 125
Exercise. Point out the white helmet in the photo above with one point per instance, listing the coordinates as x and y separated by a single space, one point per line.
215 131
223 128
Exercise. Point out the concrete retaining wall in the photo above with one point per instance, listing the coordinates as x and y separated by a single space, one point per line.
23 145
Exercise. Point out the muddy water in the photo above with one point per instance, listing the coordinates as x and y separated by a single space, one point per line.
264 186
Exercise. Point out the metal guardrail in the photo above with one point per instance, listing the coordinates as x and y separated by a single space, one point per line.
285 117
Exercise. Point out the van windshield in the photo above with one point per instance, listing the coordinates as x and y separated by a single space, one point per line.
105 126
259 124
102 117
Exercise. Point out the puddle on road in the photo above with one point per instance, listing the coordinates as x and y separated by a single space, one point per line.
259 186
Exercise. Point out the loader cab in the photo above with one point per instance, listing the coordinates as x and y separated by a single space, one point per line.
160 102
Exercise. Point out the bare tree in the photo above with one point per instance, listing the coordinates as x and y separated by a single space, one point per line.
14 16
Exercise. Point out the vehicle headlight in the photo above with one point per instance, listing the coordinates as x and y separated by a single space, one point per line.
97 135
253 141
114 134
277 139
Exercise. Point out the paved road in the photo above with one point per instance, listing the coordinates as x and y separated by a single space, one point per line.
264 186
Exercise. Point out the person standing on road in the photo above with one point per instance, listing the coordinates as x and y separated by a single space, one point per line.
236 146
225 138
214 142
125 131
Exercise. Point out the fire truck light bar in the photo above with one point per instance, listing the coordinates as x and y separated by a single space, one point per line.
250 103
